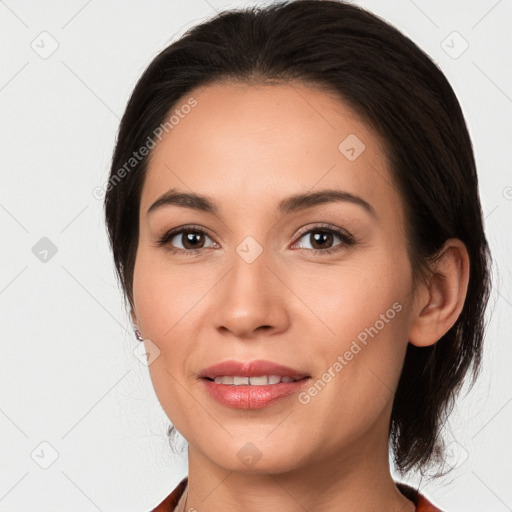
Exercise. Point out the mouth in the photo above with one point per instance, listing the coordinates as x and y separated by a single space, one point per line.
251 385
263 380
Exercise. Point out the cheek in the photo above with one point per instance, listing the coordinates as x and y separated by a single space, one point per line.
352 297
160 302
365 307
165 296
165 301
358 369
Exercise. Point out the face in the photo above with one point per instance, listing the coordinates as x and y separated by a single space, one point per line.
321 285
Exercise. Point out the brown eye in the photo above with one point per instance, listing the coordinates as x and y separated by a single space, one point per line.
191 239
322 240
186 240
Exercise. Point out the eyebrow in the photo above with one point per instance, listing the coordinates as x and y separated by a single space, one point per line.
289 205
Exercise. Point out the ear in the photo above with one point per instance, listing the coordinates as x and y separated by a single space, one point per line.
442 299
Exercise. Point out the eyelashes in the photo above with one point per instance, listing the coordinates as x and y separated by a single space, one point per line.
347 240
165 240
332 232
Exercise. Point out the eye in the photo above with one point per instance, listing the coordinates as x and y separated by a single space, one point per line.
192 239
187 239
322 238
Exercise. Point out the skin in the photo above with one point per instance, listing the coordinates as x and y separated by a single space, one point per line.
247 147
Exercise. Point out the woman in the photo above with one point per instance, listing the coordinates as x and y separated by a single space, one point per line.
294 216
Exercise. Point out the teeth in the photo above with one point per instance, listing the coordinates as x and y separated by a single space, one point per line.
262 380
258 381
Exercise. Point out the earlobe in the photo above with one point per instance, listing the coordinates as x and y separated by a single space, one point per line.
444 295
138 334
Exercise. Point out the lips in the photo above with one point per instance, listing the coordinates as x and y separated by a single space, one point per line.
251 385
259 368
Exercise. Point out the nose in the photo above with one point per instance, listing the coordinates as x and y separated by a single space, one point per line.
251 300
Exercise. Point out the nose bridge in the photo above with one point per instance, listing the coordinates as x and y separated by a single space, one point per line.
250 272
250 295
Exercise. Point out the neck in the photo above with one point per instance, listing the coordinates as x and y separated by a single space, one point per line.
357 479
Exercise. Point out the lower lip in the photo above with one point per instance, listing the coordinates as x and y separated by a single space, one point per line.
252 397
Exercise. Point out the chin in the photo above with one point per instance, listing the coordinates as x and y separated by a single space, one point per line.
255 457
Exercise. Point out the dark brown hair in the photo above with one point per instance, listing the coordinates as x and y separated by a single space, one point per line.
398 90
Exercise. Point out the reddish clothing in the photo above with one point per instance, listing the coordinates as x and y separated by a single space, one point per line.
422 504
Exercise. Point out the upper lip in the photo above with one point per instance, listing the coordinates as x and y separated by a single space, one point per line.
250 369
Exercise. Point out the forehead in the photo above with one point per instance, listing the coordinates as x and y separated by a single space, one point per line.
260 143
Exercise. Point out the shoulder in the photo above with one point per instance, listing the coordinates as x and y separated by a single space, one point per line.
172 500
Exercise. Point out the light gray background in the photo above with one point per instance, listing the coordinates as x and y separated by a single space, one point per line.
68 376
